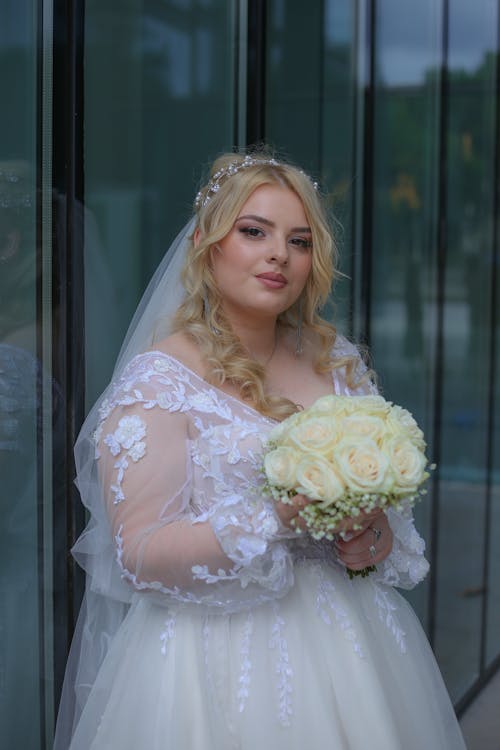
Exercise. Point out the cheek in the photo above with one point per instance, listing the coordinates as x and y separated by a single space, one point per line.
228 268
304 268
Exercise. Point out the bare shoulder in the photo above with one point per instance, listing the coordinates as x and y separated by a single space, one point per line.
183 348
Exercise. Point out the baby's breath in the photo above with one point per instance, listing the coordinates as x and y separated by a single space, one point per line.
377 470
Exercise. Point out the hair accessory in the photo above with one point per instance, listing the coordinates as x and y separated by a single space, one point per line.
231 169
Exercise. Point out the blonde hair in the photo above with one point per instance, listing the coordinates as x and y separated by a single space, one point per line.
201 314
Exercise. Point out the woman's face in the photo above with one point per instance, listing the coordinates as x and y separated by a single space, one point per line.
261 266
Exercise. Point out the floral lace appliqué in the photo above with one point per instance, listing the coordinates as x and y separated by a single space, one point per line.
246 664
128 436
386 609
327 602
284 670
224 442
167 634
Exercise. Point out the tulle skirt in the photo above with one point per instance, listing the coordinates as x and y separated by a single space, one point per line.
334 664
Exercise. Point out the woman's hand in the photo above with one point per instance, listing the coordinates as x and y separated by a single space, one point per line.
289 512
366 546
357 548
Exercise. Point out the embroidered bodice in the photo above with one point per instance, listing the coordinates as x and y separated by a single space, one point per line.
181 470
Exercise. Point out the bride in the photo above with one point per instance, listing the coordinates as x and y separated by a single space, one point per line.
211 619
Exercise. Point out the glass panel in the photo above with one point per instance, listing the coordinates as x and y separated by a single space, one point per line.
21 639
315 114
493 583
403 283
293 85
466 356
338 141
158 106
493 587
310 107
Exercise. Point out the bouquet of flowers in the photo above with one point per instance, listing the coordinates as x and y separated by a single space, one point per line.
348 454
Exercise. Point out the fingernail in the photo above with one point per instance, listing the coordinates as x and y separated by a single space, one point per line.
346 536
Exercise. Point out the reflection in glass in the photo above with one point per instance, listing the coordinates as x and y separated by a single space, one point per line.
493 590
318 112
470 143
158 104
403 284
310 108
20 375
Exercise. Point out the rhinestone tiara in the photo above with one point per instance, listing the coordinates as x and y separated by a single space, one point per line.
232 168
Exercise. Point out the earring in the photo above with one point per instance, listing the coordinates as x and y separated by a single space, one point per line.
298 333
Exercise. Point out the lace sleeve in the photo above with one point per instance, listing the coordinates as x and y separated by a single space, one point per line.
406 565
153 476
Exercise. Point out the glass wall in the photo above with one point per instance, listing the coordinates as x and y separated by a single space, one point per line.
395 108
469 202
404 212
159 105
26 655
311 105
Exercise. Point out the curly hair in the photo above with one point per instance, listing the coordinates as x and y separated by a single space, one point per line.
232 180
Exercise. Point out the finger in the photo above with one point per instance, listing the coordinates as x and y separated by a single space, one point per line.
367 549
355 541
288 512
365 561
364 557
355 525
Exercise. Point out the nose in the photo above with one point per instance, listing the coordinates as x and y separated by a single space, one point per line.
279 252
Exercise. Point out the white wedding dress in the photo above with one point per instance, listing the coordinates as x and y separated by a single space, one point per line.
235 634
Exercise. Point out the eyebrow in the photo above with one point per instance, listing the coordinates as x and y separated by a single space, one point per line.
270 223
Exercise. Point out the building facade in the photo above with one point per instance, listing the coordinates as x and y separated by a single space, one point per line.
111 113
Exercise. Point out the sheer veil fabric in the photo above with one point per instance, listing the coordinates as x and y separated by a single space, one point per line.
249 637
107 596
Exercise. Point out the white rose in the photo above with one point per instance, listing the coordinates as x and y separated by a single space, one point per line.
400 420
317 479
332 405
376 406
317 434
362 465
407 463
363 425
280 465
280 432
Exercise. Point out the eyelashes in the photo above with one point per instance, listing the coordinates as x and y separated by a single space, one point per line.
256 233
252 231
302 242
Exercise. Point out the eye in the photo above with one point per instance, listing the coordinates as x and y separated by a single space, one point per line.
251 231
302 242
